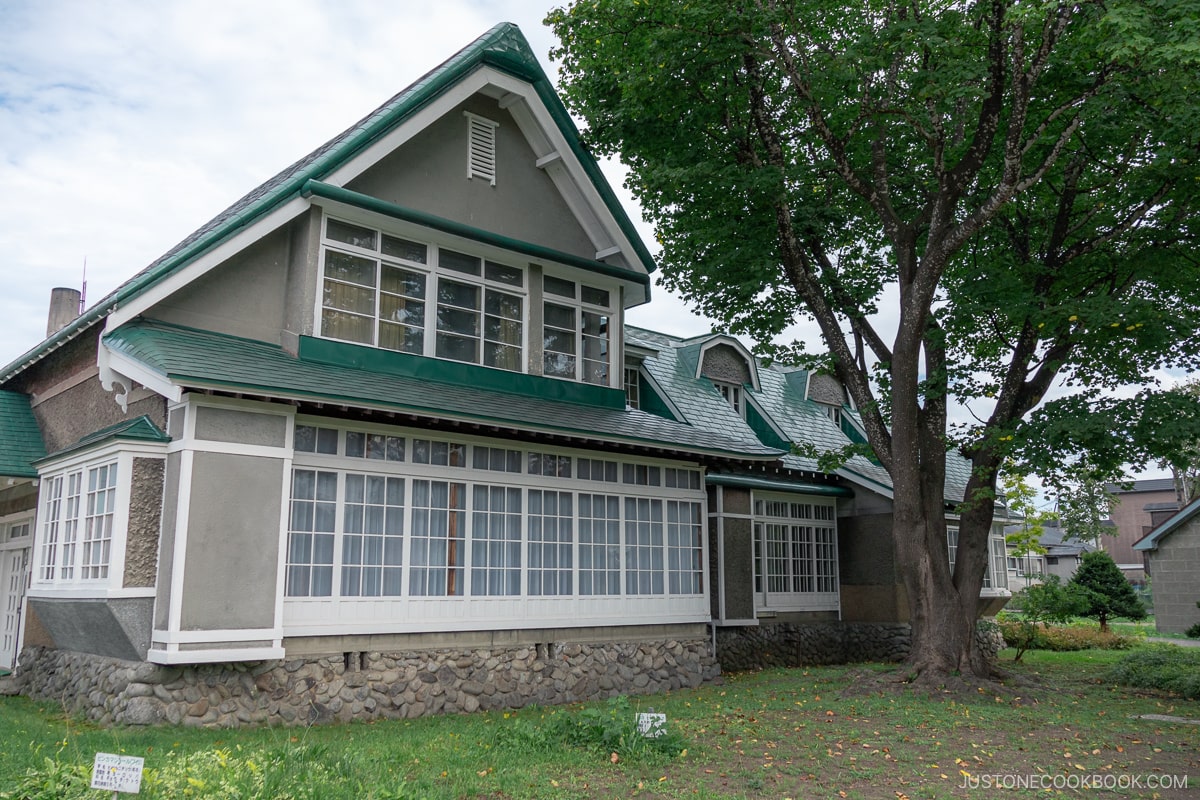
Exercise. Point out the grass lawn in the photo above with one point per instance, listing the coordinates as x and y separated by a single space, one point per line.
801 733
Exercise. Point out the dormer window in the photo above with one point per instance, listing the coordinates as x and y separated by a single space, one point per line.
733 395
833 412
632 386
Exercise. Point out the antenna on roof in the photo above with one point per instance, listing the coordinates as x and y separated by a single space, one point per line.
83 290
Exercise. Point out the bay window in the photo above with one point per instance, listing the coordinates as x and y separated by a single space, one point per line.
795 554
77 524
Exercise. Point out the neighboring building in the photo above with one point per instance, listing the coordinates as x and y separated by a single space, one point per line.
1061 556
376 442
1133 516
1173 561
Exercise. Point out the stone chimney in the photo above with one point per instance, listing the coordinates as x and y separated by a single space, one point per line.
64 307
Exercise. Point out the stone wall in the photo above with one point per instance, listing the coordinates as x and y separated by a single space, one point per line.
361 686
794 645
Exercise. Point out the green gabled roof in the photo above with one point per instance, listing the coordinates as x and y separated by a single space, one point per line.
20 438
138 429
205 360
503 47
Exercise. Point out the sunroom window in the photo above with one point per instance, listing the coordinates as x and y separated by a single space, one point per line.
77 524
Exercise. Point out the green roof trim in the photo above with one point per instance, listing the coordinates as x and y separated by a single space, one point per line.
198 359
138 429
20 438
503 47
1150 541
778 485
763 429
390 362
369 203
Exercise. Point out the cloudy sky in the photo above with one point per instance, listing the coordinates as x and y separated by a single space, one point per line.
125 125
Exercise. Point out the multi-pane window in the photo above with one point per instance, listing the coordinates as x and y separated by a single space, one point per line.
996 576
377 290
576 330
372 536
732 393
599 544
684 548
795 549
643 546
98 521
632 388
438 538
311 529
496 540
952 546
77 524
551 542
516 522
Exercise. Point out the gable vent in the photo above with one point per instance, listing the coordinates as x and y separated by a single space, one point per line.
481 147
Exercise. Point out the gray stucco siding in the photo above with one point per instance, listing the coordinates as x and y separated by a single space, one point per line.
166 546
230 571
429 172
145 521
245 296
1174 568
245 427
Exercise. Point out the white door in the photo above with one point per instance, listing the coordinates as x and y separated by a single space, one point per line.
13 564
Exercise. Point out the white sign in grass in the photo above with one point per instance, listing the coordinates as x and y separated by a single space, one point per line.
652 725
116 773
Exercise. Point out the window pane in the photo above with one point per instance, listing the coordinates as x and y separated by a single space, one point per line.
350 234
457 348
348 327
344 297
502 273
459 262
351 269
403 281
401 337
558 286
505 305
458 321
460 295
403 248
560 316
597 297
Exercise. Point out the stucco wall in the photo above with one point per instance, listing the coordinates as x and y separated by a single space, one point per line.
1175 574
430 173
723 362
245 296
229 580
145 521
870 590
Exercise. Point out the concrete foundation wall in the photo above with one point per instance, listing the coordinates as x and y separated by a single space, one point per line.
362 685
117 627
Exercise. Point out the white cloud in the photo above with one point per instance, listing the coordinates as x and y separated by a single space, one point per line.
126 125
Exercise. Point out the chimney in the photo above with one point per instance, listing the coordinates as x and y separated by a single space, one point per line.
64 307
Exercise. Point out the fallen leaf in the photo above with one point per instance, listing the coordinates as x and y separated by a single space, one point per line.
614 758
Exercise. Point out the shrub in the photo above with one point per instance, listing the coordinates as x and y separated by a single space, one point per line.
1049 601
1109 594
1169 668
1040 636
1193 632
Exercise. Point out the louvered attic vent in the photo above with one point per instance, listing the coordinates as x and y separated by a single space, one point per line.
481 147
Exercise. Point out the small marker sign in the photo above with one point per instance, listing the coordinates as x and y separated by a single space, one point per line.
652 725
116 773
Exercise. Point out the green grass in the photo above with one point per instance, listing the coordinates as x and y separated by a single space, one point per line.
796 733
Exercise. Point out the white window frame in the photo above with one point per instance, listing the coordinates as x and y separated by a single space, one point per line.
828 597
581 338
733 394
15 546
82 579
433 274
677 530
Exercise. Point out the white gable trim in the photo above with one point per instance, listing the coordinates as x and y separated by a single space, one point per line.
720 339
551 151
198 267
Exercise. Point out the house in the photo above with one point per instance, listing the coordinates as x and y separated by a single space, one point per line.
376 442
1133 511
1172 553
1061 555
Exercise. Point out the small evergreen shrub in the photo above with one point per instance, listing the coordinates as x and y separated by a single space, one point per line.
1169 668
1193 632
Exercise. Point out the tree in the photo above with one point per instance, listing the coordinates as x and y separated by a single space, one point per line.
1021 175
1048 601
1185 469
1108 594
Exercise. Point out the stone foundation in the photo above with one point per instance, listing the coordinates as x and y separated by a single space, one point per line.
358 686
801 644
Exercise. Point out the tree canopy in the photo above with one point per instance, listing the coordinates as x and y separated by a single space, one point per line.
1014 183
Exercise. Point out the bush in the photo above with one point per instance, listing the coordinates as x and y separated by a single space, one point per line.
1193 632
1039 636
1169 668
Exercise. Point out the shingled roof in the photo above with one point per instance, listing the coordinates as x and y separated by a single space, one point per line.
503 48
